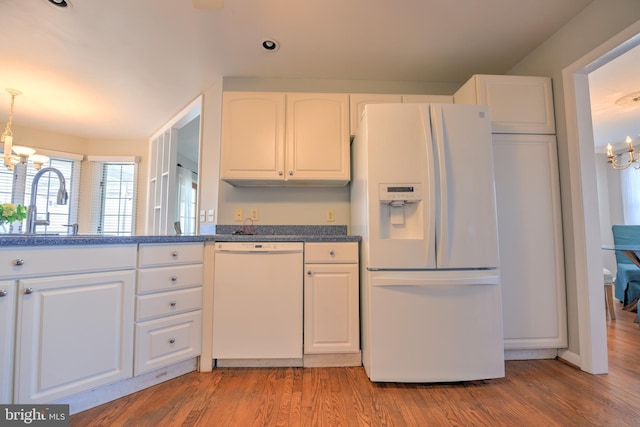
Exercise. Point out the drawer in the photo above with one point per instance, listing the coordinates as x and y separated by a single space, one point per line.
331 252
162 254
18 261
168 303
166 341
169 278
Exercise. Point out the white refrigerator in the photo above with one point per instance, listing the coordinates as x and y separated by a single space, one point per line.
423 200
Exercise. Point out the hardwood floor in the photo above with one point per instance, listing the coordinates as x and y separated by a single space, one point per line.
533 393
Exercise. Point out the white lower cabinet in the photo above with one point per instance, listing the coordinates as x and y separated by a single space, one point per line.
7 336
331 298
168 305
75 333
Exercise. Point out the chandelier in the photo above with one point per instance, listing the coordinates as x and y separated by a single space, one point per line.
616 160
22 154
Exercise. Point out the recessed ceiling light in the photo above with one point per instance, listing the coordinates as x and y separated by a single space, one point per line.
632 98
60 3
270 45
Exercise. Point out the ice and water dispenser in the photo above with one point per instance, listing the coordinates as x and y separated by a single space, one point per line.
401 211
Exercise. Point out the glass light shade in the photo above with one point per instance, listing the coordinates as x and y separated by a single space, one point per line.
38 160
23 151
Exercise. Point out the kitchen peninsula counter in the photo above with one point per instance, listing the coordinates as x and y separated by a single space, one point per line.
224 233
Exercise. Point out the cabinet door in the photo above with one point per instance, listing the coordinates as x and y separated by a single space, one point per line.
317 138
7 334
252 136
75 333
357 101
519 104
530 240
331 315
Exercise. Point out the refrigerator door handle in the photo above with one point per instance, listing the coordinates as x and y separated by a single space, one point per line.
442 225
490 279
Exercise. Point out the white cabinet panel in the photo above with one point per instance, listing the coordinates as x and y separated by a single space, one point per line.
530 239
357 102
317 137
168 340
7 336
331 298
252 136
75 334
518 104
28 261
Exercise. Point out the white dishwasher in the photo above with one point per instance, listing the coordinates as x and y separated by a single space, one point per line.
257 304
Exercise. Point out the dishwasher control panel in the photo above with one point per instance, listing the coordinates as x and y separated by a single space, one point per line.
259 246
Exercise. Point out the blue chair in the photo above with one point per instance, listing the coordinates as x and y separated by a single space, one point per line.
627 284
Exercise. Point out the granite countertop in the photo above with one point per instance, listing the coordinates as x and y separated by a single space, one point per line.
224 233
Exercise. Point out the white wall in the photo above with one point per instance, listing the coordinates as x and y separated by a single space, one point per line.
599 22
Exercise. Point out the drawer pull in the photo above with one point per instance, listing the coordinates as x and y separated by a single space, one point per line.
172 340
331 252
18 261
174 279
173 303
28 291
3 293
174 254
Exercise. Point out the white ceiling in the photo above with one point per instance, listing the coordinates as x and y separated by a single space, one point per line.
612 123
122 68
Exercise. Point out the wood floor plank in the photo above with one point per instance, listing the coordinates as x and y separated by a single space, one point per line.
533 393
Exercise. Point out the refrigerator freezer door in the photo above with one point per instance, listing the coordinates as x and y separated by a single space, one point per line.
466 224
432 327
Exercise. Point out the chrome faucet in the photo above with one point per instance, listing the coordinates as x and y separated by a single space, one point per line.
32 212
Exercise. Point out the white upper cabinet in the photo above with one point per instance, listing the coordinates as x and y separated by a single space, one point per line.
359 100
284 139
519 104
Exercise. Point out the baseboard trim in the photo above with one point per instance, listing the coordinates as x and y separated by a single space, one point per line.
332 360
99 396
531 354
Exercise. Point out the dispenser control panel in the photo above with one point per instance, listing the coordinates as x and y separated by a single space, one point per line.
404 192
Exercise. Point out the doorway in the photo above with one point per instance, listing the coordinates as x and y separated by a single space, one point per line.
585 215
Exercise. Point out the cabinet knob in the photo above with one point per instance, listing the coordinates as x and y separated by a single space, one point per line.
172 340
331 252
3 293
174 279
309 273
173 303
290 173
174 254
28 291
18 261
279 173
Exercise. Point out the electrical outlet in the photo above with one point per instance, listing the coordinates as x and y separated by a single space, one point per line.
331 215
202 216
238 215
211 215
255 214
